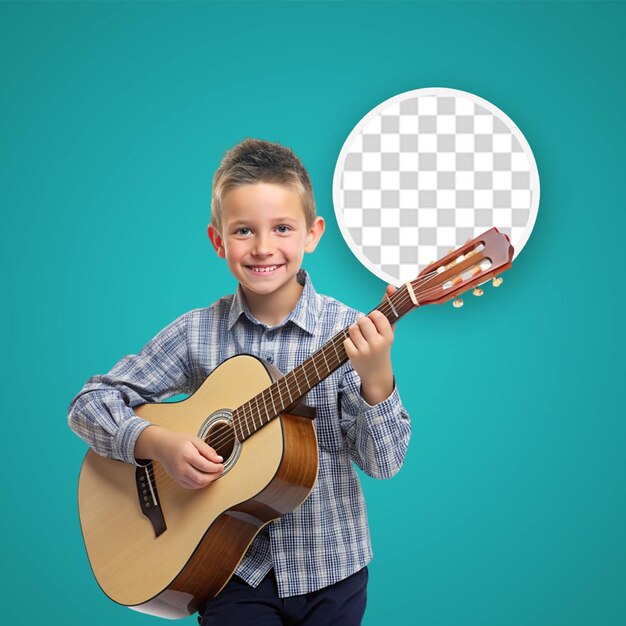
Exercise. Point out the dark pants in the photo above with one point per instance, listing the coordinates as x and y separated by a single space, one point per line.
341 604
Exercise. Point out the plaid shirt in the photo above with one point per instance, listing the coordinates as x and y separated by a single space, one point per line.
324 540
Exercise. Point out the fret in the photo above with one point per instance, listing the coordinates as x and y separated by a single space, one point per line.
295 376
237 425
287 388
308 384
325 361
256 412
280 395
264 408
283 382
241 427
250 418
253 413
245 417
272 399
336 351
393 308
242 417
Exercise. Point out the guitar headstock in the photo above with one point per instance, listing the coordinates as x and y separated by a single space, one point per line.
470 265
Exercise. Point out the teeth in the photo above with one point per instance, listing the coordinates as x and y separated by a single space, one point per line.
262 270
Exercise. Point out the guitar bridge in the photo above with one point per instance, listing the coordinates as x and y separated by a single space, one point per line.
149 498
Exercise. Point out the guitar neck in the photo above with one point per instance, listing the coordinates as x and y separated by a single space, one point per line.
470 265
286 391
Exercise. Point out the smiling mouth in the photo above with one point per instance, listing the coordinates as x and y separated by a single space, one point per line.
263 269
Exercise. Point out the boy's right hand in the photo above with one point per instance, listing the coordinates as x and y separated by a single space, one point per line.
191 462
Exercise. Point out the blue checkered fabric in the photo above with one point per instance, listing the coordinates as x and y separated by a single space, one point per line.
324 540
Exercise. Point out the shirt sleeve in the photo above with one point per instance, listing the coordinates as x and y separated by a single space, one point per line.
377 436
102 412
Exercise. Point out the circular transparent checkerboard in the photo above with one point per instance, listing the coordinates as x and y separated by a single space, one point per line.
427 170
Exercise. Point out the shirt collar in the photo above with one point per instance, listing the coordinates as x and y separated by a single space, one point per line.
304 314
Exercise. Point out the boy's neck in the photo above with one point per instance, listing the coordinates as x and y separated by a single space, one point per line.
273 308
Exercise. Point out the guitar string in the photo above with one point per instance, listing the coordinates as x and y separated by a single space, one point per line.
166 478
247 415
245 411
150 469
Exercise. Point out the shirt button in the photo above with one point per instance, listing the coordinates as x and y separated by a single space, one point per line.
269 358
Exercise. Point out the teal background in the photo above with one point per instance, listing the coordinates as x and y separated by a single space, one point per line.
511 506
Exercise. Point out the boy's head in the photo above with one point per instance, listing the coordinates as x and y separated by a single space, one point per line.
255 161
263 222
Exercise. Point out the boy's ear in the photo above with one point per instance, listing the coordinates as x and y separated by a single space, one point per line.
315 234
217 242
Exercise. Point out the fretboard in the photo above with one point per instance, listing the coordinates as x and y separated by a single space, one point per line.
286 391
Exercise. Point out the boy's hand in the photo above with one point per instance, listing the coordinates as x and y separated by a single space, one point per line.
188 460
369 350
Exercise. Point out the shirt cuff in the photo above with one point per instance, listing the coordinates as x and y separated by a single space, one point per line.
126 438
384 411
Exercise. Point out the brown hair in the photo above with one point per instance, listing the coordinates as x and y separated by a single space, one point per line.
254 161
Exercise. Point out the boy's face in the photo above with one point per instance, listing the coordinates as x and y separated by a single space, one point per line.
264 238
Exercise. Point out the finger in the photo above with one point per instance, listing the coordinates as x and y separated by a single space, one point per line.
356 335
212 468
200 463
389 291
208 471
382 325
193 479
207 451
369 330
350 348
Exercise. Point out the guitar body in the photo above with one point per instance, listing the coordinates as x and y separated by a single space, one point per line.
207 531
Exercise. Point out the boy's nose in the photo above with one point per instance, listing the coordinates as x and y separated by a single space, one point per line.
263 246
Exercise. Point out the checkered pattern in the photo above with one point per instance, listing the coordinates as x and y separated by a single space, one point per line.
326 539
425 174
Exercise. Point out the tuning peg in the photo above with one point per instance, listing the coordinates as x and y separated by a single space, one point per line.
478 292
458 303
497 281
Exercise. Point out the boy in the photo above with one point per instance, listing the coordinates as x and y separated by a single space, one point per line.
308 567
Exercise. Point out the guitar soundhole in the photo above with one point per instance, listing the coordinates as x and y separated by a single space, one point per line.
218 431
221 437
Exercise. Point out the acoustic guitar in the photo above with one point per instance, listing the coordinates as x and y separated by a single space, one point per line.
161 549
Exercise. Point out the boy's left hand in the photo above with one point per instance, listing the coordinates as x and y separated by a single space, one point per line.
369 350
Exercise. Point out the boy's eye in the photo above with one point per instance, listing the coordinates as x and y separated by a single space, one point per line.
242 231
283 228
